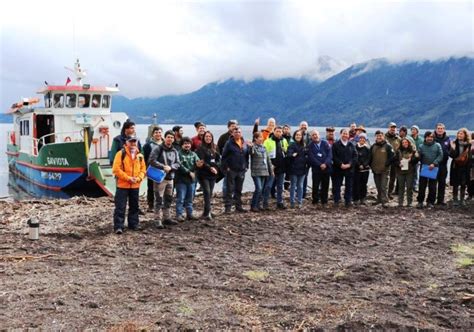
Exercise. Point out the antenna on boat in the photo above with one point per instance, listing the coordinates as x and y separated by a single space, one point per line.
154 118
80 74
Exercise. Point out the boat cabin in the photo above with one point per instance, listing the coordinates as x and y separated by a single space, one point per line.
67 113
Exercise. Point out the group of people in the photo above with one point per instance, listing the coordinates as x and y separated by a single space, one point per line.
401 163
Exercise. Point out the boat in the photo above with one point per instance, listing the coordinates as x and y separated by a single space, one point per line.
64 145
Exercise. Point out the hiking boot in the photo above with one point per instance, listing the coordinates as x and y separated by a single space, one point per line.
227 210
419 206
363 202
118 231
169 222
141 212
430 206
150 209
180 218
240 209
348 204
281 206
300 206
135 228
159 224
191 217
254 209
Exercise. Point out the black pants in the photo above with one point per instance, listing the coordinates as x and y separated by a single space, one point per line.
121 197
359 190
207 185
150 194
470 189
424 182
339 178
392 179
320 179
235 182
441 178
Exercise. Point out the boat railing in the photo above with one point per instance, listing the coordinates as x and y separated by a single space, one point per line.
63 137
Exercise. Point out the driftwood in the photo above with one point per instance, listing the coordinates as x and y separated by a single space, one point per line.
25 257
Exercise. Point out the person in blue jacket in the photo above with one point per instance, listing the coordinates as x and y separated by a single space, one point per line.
320 161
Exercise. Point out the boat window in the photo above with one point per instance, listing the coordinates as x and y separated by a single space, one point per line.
96 101
105 101
47 100
58 100
84 100
71 100
25 128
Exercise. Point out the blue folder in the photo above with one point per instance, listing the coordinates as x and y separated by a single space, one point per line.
427 173
155 174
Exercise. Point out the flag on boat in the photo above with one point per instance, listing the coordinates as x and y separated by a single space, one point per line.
68 81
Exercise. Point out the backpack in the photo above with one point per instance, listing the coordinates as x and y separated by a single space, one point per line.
123 157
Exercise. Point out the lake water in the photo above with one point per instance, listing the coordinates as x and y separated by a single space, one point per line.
217 130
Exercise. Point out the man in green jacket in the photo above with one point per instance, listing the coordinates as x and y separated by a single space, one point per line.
431 154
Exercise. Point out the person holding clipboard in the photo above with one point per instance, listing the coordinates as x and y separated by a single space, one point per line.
431 154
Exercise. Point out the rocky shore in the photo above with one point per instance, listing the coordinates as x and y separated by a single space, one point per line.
353 268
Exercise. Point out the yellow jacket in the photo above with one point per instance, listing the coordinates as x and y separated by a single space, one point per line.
126 168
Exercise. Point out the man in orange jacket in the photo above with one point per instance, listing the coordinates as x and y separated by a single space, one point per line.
129 169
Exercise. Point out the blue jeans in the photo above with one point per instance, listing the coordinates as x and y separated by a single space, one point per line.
184 198
297 185
257 197
279 180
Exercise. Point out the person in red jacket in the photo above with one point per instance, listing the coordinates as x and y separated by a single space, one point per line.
129 169
197 140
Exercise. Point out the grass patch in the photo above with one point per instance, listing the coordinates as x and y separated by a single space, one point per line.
463 249
464 253
464 261
185 309
256 275
433 286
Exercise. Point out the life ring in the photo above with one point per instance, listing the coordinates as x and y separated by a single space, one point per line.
13 138
67 139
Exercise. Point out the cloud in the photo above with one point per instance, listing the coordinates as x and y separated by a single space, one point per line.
153 49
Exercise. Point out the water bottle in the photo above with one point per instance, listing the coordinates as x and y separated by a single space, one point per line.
34 229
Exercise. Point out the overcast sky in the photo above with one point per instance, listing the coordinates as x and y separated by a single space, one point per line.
173 47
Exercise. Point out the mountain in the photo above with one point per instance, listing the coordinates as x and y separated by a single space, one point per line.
377 92
372 93
216 103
